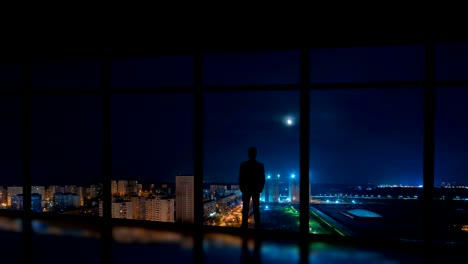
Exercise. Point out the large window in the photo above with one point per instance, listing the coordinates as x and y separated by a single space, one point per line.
128 126
11 176
366 161
66 154
235 121
152 135
450 172
11 121
152 143
450 214
366 145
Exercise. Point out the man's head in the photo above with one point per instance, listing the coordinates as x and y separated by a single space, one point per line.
252 153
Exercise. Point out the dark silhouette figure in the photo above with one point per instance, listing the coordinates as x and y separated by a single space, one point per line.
251 183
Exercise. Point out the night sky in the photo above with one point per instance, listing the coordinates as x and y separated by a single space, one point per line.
357 136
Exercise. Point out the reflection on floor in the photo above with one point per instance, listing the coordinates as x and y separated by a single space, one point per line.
59 242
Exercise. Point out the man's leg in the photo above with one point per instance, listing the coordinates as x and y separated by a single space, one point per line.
245 209
256 209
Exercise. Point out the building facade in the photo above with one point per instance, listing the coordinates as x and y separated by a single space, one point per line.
185 199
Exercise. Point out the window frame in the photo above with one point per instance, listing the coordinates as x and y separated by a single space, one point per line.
26 93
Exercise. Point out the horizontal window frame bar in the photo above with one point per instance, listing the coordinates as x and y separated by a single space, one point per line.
230 88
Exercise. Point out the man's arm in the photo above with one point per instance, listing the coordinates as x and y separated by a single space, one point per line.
261 182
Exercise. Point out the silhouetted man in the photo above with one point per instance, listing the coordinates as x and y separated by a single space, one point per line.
251 183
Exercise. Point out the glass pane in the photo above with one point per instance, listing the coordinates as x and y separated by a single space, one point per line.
235 121
152 143
11 171
66 75
66 162
367 64
452 61
170 71
450 181
10 76
252 68
366 154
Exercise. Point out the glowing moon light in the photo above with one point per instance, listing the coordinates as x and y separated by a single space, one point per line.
288 121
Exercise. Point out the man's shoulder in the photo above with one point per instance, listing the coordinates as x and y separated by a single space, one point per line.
251 162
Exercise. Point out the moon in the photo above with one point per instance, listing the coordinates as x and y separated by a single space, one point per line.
288 121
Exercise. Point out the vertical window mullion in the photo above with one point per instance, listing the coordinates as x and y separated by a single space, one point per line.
106 231
304 154
304 142
198 156
428 164
198 138
26 156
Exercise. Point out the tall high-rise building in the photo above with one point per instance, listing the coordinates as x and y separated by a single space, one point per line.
140 189
51 190
160 209
151 188
69 189
270 192
3 197
139 207
81 191
38 189
265 195
94 190
114 188
13 191
17 202
122 187
294 189
184 199
66 200
132 188
122 209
